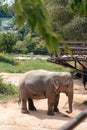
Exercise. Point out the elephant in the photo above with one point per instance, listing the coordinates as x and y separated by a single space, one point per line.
41 84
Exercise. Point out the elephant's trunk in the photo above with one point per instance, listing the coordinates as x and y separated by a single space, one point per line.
70 100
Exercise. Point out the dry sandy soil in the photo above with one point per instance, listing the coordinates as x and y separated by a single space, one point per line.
11 117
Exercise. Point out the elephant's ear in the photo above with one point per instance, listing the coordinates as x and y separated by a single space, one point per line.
55 82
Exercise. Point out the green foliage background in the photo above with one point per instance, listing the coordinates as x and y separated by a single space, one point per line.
36 20
63 21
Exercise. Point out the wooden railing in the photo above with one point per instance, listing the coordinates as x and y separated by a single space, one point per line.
79 55
77 48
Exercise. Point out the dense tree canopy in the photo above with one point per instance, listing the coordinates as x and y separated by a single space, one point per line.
63 21
35 13
80 6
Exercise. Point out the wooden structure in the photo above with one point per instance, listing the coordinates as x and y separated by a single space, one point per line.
79 51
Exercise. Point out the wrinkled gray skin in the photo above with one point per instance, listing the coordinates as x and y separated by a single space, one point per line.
40 84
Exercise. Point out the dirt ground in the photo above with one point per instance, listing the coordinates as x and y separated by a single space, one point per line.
11 117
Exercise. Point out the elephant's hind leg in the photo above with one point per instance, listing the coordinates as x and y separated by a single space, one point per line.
24 107
31 106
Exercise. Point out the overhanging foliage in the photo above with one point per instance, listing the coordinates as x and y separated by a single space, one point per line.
35 13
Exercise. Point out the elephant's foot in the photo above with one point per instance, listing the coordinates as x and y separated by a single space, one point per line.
32 108
69 112
56 109
50 113
25 111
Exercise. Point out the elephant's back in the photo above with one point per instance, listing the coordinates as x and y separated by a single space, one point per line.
41 76
37 74
46 73
37 77
34 77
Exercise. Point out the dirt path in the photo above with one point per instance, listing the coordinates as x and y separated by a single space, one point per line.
12 119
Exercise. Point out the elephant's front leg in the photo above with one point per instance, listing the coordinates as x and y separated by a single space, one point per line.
56 103
24 106
31 106
51 102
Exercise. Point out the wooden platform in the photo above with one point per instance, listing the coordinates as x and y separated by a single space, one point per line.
79 55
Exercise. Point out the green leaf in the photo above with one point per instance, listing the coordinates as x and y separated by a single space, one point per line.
18 8
23 3
67 49
43 1
20 20
72 6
